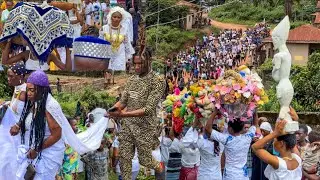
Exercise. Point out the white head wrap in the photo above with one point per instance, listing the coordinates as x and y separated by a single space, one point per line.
266 126
123 12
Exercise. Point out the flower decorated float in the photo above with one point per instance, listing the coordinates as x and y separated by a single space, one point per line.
236 95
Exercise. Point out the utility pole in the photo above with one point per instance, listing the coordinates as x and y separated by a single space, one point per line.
158 21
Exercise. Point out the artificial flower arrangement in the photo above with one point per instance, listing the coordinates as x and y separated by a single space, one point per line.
203 106
237 94
180 105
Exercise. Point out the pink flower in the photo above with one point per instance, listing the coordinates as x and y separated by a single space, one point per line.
218 105
225 90
236 87
177 91
246 88
243 119
251 87
252 106
212 99
256 98
249 113
217 88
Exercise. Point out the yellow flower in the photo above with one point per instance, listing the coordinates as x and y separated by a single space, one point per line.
265 99
237 95
260 102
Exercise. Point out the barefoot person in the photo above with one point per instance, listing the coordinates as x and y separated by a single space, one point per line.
140 97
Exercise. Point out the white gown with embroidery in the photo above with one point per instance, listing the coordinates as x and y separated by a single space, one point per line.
51 160
119 58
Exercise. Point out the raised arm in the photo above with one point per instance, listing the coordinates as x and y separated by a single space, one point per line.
57 60
264 155
6 60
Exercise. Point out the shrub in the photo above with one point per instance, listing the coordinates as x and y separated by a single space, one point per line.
306 83
169 39
88 98
5 90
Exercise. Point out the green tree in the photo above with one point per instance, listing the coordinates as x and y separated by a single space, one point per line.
306 82
5 90
167 15
169 39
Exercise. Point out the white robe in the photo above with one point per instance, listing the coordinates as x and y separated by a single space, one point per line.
8 143
119 58
84 142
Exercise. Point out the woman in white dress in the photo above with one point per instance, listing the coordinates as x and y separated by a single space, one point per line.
12 115
236 146
288 165
44 129
116 32
210 163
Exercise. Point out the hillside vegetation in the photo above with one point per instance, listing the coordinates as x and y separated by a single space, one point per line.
250 12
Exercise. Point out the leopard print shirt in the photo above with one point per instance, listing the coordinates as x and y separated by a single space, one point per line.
143 93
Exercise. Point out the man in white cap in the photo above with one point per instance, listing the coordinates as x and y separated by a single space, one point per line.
265 128
258 165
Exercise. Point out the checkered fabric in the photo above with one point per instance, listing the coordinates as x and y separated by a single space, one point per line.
91 50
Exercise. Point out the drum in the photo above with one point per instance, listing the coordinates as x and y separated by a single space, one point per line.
91 54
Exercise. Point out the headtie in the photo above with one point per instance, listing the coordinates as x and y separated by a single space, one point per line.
39 78
18 68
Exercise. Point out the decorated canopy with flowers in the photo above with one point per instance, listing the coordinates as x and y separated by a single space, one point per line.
236 95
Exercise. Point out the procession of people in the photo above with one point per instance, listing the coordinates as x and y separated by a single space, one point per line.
39 142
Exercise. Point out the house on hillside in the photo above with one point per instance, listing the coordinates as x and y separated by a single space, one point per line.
302 41
316 20
193 17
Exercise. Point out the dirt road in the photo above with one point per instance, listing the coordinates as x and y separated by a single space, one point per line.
222 25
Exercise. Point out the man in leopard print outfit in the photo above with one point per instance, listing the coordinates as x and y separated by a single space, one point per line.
140 97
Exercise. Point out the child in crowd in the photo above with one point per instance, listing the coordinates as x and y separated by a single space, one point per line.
70 164
312 154
96 163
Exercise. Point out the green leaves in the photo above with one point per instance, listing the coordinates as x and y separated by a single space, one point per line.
169 39
88 98
306 83
5 90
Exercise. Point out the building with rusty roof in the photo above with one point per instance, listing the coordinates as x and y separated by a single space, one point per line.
302 41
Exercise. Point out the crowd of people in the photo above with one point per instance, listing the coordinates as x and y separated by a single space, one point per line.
215 150
39 142
214 54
